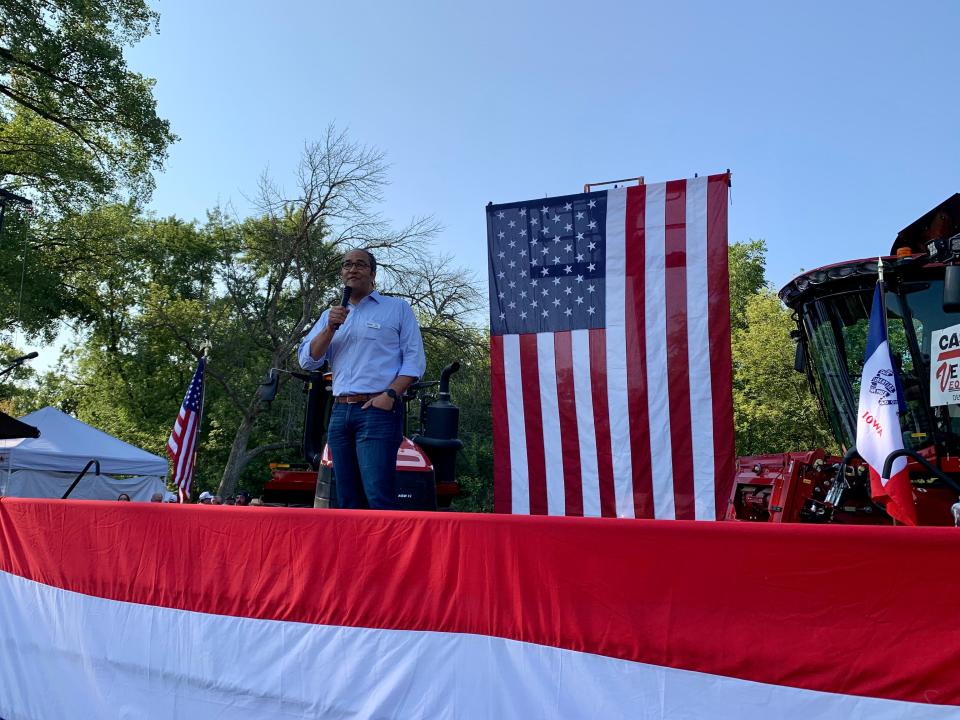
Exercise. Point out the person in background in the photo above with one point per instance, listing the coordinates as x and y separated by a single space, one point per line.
243 498
216 500
157 497
206 498
256 502
123 497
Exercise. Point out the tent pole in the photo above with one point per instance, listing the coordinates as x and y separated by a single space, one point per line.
78 478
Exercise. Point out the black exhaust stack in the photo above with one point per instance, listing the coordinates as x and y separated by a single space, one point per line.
440 421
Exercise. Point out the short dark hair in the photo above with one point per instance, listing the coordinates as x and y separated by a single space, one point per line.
371 259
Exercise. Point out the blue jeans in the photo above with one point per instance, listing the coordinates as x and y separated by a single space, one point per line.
363 445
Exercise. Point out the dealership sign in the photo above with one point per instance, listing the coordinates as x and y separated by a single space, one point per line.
945 366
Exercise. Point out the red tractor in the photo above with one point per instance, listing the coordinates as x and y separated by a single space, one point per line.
831 306
426 460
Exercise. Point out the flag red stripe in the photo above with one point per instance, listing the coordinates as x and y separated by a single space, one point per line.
533 424
721 366
675 594
601 420
502 500
191 451
183 458
678 365
635 316
569 435
897 496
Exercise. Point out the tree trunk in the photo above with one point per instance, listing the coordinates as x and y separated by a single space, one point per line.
239 457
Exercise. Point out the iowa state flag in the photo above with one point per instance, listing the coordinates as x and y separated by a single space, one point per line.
878 419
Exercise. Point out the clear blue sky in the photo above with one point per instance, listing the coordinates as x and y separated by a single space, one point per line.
838 120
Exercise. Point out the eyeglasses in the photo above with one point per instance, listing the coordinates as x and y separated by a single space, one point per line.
350 264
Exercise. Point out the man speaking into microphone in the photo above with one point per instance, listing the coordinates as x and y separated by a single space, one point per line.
375 352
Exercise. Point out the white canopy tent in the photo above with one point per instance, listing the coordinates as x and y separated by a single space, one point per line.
45 466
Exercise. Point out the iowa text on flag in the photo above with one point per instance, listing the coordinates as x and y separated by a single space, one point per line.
878 419
610 352
182 443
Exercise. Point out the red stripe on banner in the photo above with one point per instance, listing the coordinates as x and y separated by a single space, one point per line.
721 365
678 364
502 491
601 421
635 316
752 601
569 431
533 424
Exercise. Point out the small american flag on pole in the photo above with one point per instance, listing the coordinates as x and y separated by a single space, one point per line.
182 444
610 352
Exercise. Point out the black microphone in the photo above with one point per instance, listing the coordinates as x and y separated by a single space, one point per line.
29 356
18 362
345 300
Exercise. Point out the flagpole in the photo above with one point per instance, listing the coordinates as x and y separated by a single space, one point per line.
883 304
205 349
883 295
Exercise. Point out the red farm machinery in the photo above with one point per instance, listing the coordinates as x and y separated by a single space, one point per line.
831 306
426 460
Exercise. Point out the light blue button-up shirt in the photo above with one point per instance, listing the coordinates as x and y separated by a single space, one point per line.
379 341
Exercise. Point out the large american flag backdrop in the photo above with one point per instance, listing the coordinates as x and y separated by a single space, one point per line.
610 352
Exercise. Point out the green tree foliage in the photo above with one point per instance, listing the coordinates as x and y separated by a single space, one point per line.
747 262
774 410
75 122
127 369
76 126
470 391
160 290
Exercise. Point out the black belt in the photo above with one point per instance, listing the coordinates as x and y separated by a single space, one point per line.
350 399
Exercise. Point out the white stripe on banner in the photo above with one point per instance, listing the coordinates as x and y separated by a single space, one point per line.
658 396
550 418
68 655
616 337
586 430
698 329
519 473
